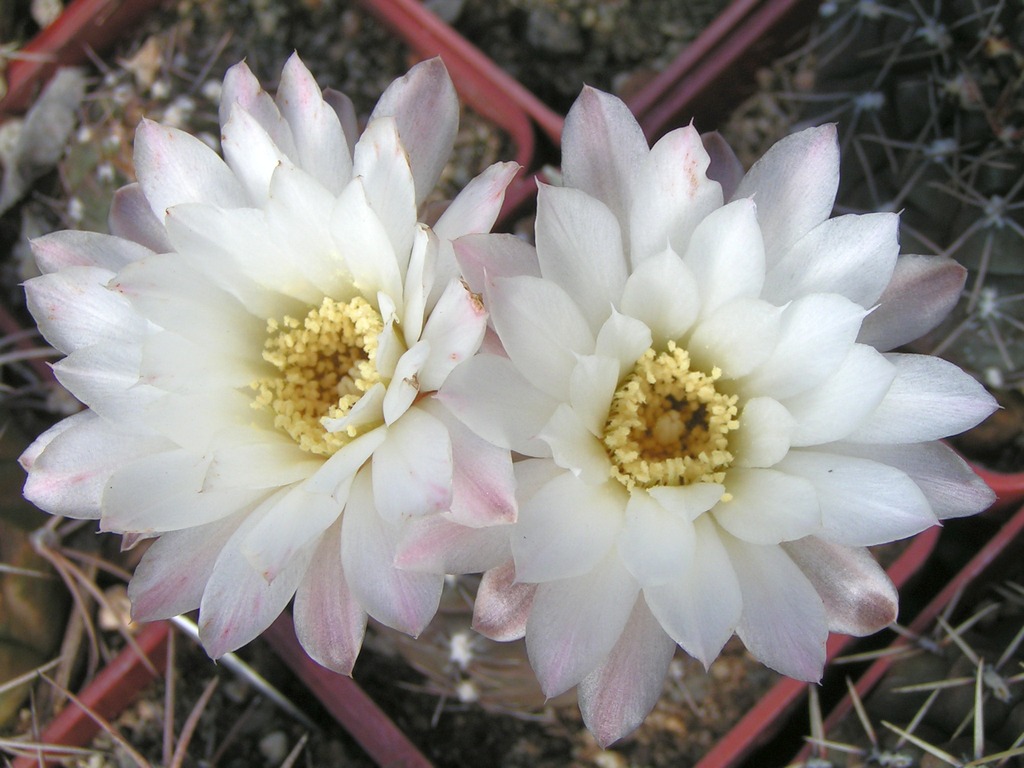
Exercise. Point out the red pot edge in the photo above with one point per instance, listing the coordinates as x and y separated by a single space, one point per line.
1012 532
770 713
113 689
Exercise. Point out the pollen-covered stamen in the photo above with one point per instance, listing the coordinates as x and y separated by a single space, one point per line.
668 424
325 363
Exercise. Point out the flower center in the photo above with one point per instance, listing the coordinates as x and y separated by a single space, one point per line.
668 424
325 363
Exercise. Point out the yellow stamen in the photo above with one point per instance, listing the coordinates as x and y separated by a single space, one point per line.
325 363
668 424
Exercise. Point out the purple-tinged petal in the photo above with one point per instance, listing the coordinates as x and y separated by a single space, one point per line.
71 248
502 605
404 600
346 112
426 109
329 622
174 167
794 186
435 544
921 293
602 148
725 166
617 696
673 195
784 623
575 623
131 218
930 398
859 597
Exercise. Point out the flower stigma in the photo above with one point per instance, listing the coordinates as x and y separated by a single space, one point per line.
669 424
325 363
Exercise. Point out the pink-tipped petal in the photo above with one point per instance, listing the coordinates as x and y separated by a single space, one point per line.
502 605
435 544
131 218
241 90
71 248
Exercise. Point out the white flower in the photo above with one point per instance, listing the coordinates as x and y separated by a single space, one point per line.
718 430
258 345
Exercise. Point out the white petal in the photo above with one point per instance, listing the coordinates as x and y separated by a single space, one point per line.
426 109
241 90
419 280
412 468
335 476
930 398
768 506
383 165
921 293
454 331
321 148
289 522
251 153
174 167
364 244
542 329
482 258
132 219
700 609
238 603
591 388
617 696
73 308
737 338
172 575
602 149
71 248
68 465
815 335
688 501
483 482
435 544
794 185
859 598
106 378
763 438
493 399
575 623
623 338
662 292
947 481
843 401
502 604
784 623
329 622
579 246
367 411
655 544
726 255
476 207
673 195
575 447
260 463
405 383
851 255
863 502
403 600
566 528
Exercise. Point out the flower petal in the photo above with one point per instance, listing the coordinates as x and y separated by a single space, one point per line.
623 338
454 331
329 622
476 207
859 597
929 398
542 329
591 388
794 186
435 544
863 502
403 600
133 220
668 313
737 338
726 255
701 608
412 468
482 258
364 244
575 447
766 429
617 696
768 506
851 255
251 153
566 528
72 248
784 623
655 545
502 604
673 195
579 245
241 90
602 148
575 623
688 501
